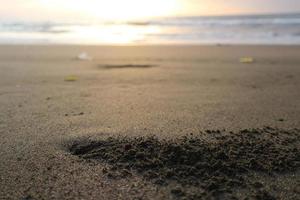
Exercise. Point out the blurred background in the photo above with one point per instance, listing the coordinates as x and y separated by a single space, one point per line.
134 22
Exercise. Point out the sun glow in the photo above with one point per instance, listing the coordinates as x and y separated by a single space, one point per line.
112 34
117 10
109 21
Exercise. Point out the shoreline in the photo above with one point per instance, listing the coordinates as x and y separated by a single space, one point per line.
151 45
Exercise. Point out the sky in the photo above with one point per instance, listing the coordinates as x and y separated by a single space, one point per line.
89 10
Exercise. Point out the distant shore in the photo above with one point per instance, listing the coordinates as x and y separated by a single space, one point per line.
244 29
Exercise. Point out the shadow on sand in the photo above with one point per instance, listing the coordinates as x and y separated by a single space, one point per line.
123 66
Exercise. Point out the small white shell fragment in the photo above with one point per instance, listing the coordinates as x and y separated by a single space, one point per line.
84 56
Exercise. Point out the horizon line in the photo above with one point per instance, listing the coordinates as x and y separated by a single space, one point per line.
162 17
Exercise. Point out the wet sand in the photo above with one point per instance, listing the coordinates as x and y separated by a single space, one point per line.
138 92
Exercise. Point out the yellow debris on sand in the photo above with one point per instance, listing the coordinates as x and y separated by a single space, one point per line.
71 78
247 60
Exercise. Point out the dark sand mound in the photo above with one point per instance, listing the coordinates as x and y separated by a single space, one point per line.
214 166
127 66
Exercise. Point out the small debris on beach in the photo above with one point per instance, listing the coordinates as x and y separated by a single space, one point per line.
84 57
215 166
247 60
71 78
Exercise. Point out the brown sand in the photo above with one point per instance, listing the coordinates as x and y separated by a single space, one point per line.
189 90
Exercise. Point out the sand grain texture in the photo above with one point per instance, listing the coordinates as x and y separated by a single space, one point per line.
191 89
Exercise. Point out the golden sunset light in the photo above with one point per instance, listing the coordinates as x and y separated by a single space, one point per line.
115 9
70 10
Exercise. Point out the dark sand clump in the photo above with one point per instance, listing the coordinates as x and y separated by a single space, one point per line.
214 165
127 66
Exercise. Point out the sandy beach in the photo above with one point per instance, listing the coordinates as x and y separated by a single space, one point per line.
53 106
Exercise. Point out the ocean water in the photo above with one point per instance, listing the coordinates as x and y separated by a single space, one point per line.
255 29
